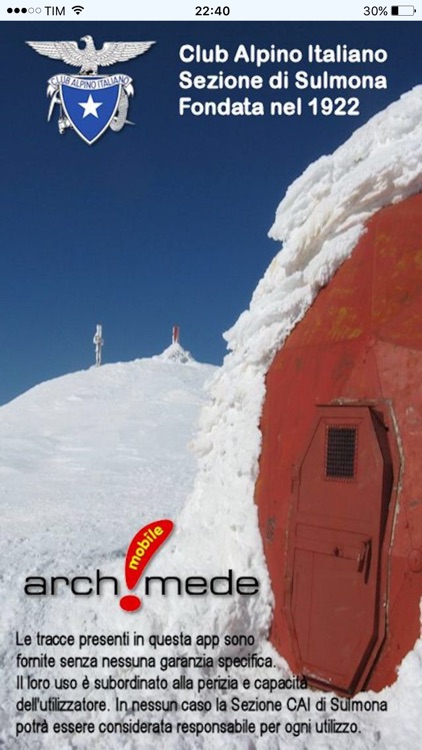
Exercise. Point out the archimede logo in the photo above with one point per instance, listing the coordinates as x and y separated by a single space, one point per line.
144 545
88 103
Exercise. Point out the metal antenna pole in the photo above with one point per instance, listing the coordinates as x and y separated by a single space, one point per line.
98 341
175 336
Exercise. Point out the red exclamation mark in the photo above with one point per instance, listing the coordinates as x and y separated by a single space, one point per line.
143 546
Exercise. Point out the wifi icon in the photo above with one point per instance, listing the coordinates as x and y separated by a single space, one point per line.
77 9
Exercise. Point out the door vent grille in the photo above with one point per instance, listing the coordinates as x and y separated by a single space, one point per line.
340 453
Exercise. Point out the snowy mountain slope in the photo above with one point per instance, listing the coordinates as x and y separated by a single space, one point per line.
87 459
76 448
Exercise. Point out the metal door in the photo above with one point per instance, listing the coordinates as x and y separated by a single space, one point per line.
342 489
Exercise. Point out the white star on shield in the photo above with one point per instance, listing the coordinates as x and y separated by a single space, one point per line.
90 107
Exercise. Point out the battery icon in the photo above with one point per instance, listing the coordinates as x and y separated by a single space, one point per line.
403 10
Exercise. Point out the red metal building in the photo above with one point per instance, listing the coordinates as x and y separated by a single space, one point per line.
339 490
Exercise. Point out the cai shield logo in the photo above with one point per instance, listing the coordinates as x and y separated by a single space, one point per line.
90 103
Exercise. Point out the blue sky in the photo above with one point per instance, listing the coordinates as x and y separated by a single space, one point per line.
165 222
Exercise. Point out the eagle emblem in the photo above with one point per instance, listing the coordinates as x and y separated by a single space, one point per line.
90 103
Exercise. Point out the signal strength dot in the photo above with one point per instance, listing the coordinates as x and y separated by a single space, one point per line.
77 9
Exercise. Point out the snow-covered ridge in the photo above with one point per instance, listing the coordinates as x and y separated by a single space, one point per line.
175 353
322 216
